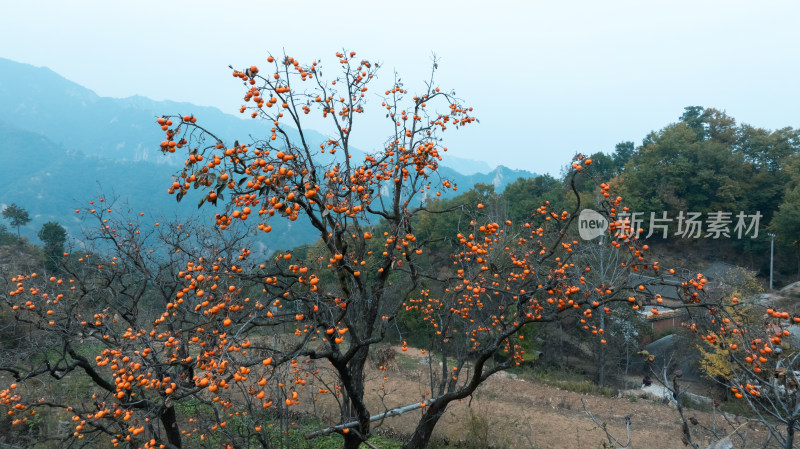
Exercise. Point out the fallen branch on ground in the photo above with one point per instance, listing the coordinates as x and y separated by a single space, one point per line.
388 414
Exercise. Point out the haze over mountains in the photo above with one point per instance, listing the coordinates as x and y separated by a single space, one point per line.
62 146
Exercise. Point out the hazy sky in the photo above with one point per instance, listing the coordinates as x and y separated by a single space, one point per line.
546 79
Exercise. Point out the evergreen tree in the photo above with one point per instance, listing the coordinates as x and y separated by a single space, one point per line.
54 236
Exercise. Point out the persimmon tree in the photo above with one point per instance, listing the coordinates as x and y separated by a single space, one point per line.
745 346
751 347
350 295
287 175
97 327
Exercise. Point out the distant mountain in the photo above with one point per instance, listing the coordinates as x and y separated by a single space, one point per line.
50 182
500 177
466 166
41 101
62 145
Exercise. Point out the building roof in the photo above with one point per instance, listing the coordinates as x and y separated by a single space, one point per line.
718 271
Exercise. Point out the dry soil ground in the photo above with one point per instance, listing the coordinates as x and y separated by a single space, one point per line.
515 413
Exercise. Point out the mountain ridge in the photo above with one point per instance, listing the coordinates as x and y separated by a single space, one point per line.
60 140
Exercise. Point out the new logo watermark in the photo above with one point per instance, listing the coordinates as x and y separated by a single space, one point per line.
689 225
591 224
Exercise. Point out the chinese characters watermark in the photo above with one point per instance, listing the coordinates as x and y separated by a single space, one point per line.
689 225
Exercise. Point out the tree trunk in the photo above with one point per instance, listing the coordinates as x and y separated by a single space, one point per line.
601 355
352 376
789 443
170 423
422 434
351 441
627 361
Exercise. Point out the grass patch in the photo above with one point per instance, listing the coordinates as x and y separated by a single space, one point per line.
407 363
689 402
568 380
293 437
737 407
296 437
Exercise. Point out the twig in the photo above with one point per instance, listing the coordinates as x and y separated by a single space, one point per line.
611 439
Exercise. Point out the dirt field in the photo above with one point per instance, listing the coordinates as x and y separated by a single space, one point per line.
513 413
